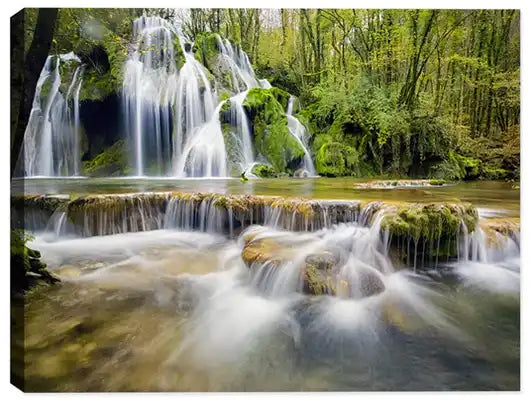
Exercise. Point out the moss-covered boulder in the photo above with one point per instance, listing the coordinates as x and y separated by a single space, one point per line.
272 138
336 159
264 171
113 161
26 267
426 231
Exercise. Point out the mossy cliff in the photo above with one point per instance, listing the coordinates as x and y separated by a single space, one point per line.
272 138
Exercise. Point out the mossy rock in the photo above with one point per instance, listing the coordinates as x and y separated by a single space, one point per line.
26 267
336 159
272 138
431 228
264 171
503 227
180 59
206 48
113 161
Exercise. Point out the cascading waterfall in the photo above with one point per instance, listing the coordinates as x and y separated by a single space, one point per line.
149 93
205 151
172 115
51 145
298 131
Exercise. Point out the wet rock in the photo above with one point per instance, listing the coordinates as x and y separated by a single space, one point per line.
427 231
370 284
261 251
509 227
318 277
323 261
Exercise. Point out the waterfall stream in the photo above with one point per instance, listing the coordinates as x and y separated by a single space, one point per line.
51 146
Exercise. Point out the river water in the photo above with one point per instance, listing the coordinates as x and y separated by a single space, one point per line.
170 310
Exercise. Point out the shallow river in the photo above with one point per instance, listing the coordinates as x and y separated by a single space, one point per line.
169 310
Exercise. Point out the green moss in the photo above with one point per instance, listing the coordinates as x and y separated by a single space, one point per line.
264 171
113 161
494 173
437 182
95 86
26 266
206 48
436 226
272 138
337 159
180 59
281 96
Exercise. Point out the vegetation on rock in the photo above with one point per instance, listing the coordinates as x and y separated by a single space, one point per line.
272 138
113 161
26 267
337 159
264 171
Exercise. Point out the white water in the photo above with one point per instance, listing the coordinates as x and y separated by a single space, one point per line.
172 116
298 131
51 140
252 327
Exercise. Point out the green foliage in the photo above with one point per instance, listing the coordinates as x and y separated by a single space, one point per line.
337 159
206 48
264 171
272 138
281 96
113 161
26 266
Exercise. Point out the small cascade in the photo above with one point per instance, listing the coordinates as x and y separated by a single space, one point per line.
51 145
298 131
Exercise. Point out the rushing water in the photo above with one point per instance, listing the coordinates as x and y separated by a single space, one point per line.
52 136
172 114
177 309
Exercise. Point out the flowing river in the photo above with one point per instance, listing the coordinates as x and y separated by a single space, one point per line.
180 309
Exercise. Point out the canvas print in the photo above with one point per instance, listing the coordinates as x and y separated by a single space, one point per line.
256 199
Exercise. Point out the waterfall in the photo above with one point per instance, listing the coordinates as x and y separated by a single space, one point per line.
149 88
299 132
51 139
